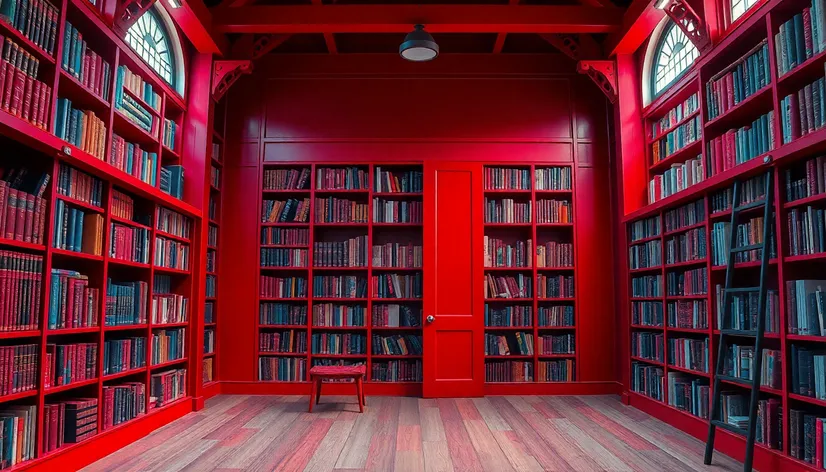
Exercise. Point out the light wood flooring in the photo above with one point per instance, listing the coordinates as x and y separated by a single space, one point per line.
492 434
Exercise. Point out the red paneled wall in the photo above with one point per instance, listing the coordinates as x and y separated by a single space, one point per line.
376 108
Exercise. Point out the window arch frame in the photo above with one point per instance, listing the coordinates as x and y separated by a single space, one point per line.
174 45
653 55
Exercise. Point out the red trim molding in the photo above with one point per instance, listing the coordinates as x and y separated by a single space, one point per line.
225 73
604 74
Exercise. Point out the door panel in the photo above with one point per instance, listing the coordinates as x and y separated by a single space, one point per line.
453 341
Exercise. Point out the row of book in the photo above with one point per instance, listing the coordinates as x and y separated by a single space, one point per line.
807 370
557 316
390 315
508 316
555 254
291 341
166 387
132 159
747 234
647 314
678 177
209 340
737 146
72 303
397 345
689 393
507 210
282 287
807 437
215 176
272 236
398 181
169 308
287 179
644 229
82 128
556 344
647 286
807 230
554 211
509 371
404 370
22 206
805 301
209 312
168 345
19 368
212 236
172 222
122 206
687 314
499 253
338 343
126 303
209 289
85 65
170 130
69 422
331 314
394 211
734 410
36 21
340 210
22 94
553 178
800 38
129 243
676 139
675 115
207 370
689 353
282 369
291 210
741 80
279 257
806 179
69 363
140 88
743 311
686 215
349 253
687 283
510 286
648 345
122 403
77 230
518 344
79 185
647 380
346 178
507 178
171 254
396 255
122 355
282 314
804 111
685 247
131 108
645 255
397 285
172 180
555 286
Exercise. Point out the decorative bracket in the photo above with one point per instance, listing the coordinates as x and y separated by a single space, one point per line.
264 44
127 13
603 73
225 73
689 22
567 43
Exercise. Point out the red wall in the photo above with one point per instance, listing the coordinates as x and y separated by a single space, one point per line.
377 108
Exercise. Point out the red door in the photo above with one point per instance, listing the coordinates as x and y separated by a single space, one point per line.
453 311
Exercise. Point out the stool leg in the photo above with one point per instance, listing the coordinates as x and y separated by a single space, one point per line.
318 391
312 392
360 393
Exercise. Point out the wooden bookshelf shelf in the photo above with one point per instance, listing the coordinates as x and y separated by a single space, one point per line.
170 325
168 363
68 331
509 328
690 151
268 326
130 131
282 354
683 229
18 396
10 243
170 270
137 265
71 386
648 361
699 262
679 123
805 201
744 112
339 328
9 31
125 373
651 328
31 333
131 223
809 400
76 255
126 327
166 235
688 330
688 371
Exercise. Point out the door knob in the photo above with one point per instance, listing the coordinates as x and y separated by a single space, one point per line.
430 318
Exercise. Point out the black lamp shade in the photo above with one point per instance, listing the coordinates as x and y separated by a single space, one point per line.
419 46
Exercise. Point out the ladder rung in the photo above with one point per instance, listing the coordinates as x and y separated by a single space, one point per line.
744 382
739 332
749 206
742 289
750 247
728 427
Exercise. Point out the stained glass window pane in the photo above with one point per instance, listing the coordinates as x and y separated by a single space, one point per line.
738 7
149 38
674 55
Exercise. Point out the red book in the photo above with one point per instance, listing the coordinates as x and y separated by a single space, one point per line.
30 216
10 72
19 84
807 33
61 424
84 75
37 236
45 106
819 443
36 102
68 304
26 111
4 197
54 422
11 213
20 225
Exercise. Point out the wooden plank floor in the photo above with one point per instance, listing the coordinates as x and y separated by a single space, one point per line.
492 434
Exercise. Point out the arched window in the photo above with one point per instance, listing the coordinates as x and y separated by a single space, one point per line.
738 7
672 57
155 40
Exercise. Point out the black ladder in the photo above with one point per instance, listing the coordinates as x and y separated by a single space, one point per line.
757 335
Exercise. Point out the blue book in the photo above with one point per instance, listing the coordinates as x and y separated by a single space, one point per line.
70 230
55 294
67 34
79 230
800 40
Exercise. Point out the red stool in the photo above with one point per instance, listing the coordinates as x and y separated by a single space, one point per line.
321 372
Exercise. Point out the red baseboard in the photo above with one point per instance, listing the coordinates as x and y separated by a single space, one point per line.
552 388
331 388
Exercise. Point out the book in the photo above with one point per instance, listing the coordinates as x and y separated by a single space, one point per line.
172 180
129 243
122 402
736 146
346 178
647 380
130 158
287 179
687 246
647 286
282 287
335 286
555 286
282 369
70 363
556 316
678 177
648 345
281 257
688 353
396 371
509 316
85 65
126 303
738 81
499 253
645 255
397 181
290 341
81 128
507 210
291 210
351 252
687 282
340 210
171 254
510 286
338 343
19 368
72 302
122 355
336 314
172 222
168 345
397 285
503 178
22 206
397 345
77 229
561 370
398 255
689 394
553 178
167 386
644 229
209 340
554 211
556 344
282 314
79 185
396 211
392 315
509 371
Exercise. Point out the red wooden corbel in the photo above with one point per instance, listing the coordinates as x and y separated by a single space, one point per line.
127 13
603 73
689 21
225 73
568 44
266 43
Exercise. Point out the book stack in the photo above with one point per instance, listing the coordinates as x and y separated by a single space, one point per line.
675 115
349 253
121 355
281 314
19 371
687 246
687 314
336 343
647 380
22 205
556 344
677 139
806 179
688 393
122 403
283 287
22 279
807 372
647 346
171 254
170 130
291 341
805 301
807 234
130 158
498 253
40 25
22 94
18 426
735 411
70 363
172 222
397 285
331 314
647 286
129 243
739 363
644 229
647 314
743 312
806 437
69 422
685 283
510 286
277 257
394 316
800 38
554 286
166 387
501 178
340 210
395 211
291 210
508 316
85 65
282 369
397 255
122 206
339 286
215 176
677 178
76 230
126 303
168 345
748 233
507 210
803 111
132 104
172 180
737 146
169 308
553 178
388 181
397 345
687 215
561 370
81 128
555 254
72 303
397 371
509 371
272 236
738 81
287 179
347 178
79 185
643 256
554 211
556 316
688 353
517 344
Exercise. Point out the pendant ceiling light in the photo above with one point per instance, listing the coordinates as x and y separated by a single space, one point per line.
419 46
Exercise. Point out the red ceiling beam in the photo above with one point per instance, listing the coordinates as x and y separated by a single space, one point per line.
195 21
400 18
638 23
